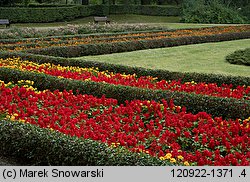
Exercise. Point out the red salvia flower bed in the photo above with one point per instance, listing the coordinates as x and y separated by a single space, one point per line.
156 128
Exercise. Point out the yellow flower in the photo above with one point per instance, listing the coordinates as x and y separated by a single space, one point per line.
113 145
12 118
186 163
162 158
180 157
21 120
168 156
15 114
172 160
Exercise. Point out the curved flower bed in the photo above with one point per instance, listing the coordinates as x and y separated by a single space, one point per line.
112 38
87 74
160 129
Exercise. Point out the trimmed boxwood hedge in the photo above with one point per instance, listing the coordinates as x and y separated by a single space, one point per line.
153 10
64 13
241 57
216 106
160 74
37 146
107 48
43 14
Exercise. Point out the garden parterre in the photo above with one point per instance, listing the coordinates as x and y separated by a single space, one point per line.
159 129
25 44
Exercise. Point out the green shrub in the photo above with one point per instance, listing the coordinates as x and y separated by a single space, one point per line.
216 106
54 4
49 13
239 57
160 10
37 146
153 10
100 10
245 11
198 11
43 14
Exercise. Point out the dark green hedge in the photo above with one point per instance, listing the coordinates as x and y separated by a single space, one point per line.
64 13
107 48
245 11
37 146
39 5
161 74
153 10
49 14
225 107
241 57
100 10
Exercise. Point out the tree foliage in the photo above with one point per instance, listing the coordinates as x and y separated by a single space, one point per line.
210 11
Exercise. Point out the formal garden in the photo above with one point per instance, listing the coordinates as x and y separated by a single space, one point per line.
164 82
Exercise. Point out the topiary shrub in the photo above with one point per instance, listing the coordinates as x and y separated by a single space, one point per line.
239 57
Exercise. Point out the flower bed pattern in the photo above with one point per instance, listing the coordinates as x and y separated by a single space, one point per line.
26 44
91 74
160 129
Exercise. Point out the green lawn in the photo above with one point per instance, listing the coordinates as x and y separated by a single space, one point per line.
165 21
204 58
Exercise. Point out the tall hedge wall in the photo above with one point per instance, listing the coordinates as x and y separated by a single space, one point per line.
145 10
43 14
52 14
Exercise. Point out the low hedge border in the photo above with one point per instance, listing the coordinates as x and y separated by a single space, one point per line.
90 35
116 47
40 146
161 74
216 106
241 57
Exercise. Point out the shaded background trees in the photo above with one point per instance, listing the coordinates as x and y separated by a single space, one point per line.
214 11
227 3
195 11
